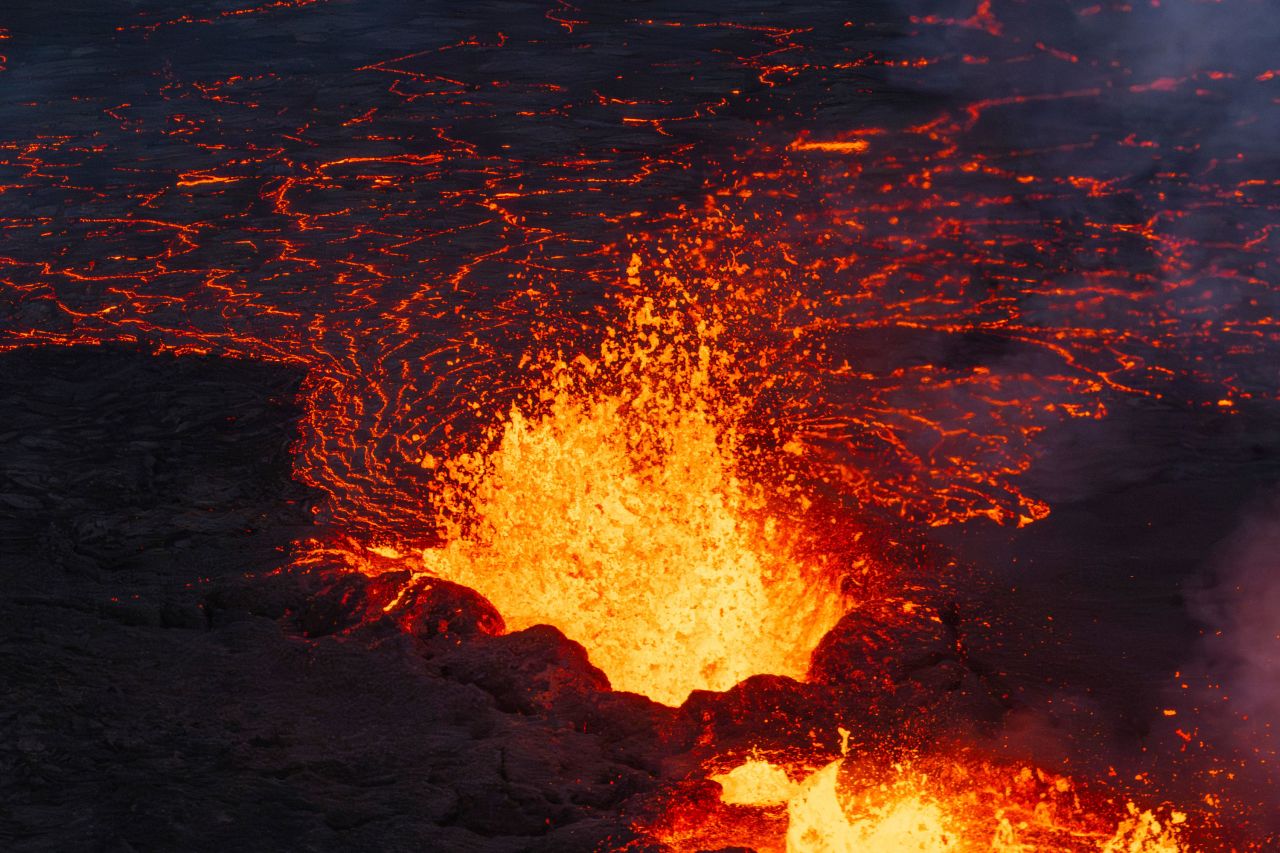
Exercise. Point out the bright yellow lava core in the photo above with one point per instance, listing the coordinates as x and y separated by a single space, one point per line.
617 513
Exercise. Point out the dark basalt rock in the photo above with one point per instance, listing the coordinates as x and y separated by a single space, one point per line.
430 607
880 643
341 604
171 684
272 596
770 710
424 607
534 671
900 673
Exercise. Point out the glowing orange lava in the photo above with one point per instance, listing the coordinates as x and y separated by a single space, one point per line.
614 510
960 806
755 782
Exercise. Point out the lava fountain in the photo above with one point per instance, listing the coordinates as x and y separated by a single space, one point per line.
611 506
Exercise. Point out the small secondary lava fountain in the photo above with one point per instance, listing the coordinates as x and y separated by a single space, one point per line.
955 805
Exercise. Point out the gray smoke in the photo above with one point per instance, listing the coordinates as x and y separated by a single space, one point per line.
1234 677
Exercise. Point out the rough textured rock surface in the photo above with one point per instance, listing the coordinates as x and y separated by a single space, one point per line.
161 692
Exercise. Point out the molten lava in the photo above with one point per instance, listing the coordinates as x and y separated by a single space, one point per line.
957 807
755 783
615 512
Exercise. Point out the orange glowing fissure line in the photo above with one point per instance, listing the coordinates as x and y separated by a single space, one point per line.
262 9
851 146
196 179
